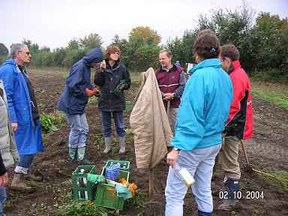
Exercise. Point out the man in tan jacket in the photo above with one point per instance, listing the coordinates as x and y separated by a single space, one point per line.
8 149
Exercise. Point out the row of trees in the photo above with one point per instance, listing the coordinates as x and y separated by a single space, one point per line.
263 43
139 52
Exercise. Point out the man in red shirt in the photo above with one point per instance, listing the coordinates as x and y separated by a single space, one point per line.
239 125
171 80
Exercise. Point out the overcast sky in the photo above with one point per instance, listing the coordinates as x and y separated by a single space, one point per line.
54 23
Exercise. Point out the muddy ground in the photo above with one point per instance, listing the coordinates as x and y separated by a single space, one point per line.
268 151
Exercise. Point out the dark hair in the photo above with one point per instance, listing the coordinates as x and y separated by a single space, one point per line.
112 49
206 44
230 51
204 31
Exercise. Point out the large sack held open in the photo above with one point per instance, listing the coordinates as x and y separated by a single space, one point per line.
149 123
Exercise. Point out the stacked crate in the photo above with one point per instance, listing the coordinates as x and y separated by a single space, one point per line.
82 189
106 195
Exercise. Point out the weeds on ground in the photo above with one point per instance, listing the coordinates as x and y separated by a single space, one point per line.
282 179
138 200
51 122
81 208
70 207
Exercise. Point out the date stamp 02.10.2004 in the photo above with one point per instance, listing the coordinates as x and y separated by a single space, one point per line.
244 195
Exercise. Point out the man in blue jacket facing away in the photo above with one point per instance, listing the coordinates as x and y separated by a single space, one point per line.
73 100
23 111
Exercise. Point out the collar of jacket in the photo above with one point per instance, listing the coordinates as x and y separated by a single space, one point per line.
174 68
114 67
10 62
13 63
213 62
236 64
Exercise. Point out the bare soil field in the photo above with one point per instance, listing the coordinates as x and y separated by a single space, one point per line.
267 151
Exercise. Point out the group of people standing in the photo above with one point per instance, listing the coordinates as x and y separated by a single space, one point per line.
214 116
111 79
214 102
20 117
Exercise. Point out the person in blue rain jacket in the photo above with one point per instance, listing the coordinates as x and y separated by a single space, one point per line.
73 101
23 111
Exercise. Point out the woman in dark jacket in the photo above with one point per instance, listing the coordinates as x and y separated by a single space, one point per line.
112 78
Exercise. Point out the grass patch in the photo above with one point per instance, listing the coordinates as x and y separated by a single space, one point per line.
136 77
279 178
271 92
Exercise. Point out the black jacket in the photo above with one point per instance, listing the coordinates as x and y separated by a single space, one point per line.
2 167
110 99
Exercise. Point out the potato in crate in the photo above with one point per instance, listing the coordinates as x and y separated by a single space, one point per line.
82 189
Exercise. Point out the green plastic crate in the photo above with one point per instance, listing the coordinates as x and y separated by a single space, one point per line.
124 165
106 195
82 189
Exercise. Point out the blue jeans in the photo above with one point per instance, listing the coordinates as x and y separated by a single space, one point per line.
78 130
24 163
26 160
199 163
118 120
3 197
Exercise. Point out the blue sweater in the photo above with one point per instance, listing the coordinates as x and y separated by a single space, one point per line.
204 107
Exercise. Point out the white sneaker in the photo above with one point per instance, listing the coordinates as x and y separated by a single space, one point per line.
122 150
107 150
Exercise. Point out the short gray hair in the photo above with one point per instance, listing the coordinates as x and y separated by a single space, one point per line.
167 51
15 48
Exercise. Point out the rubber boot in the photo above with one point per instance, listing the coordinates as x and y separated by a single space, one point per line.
232 187
81 156
108 142
122 144
72 153
18 183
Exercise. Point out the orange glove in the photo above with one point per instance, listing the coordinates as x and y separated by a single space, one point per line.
89 92
95 91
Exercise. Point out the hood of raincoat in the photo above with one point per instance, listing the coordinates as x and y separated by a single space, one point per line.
94 56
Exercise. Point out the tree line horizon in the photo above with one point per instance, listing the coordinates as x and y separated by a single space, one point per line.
262 42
